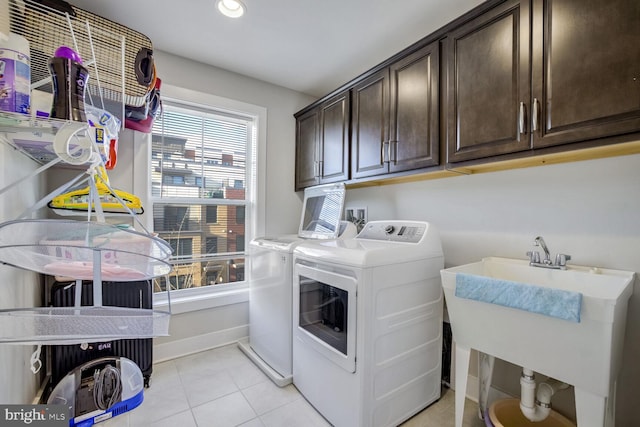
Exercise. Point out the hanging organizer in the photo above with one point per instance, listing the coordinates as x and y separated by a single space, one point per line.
110 51
110 48
84 250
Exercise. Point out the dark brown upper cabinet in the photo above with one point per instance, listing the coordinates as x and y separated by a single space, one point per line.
586 70
322 143
395 114
488 90
582 82
307 137
414 136
507 80
370 125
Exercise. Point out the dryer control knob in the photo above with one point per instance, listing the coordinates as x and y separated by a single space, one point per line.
389 229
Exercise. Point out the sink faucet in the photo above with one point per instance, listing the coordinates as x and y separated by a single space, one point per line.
534 257
539 241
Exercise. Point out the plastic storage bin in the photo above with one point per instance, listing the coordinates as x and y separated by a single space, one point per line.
506 413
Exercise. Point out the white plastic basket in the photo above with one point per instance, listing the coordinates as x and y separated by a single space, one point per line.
70 248
89 251
68 325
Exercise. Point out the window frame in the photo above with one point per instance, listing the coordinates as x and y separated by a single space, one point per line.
185 300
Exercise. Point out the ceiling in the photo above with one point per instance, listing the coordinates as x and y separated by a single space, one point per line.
311 46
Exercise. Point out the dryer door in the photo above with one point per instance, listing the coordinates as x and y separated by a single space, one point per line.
326 313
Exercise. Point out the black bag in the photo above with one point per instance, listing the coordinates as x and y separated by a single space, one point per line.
65 358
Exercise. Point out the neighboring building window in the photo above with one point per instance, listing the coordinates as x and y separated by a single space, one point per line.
180 282
239 270
181 247
211 277
211 245
239 214
175 218
212 214
239 243
201 166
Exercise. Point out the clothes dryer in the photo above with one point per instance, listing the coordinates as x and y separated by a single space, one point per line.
270 280
367 323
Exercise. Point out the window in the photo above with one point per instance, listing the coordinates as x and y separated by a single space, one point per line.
212 214
239 243
181 247
179 281
239 214
175 218
202 170
211 245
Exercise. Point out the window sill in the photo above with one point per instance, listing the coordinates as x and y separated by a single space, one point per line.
202 300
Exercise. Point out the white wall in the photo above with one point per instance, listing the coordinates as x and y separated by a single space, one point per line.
18 288
589 209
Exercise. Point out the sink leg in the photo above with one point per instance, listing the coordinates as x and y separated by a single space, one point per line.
610 420
590 409
462 371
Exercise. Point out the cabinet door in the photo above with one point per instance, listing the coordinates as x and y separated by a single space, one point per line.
369 125
586 69
488 87
307 136
413 125
334 139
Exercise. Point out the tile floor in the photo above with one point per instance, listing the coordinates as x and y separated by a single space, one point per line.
222 387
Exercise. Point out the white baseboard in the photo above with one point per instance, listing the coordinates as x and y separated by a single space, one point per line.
184 347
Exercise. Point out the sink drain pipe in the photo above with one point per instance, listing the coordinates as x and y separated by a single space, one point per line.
537 406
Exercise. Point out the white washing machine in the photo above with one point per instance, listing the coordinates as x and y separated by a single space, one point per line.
270 280
367 323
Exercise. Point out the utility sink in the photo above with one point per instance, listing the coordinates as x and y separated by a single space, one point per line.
586 354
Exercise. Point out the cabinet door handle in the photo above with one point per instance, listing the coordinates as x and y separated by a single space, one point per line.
521 125
393 149
320 168
382 151
534 115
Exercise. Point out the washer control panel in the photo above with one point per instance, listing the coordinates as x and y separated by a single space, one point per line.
394 231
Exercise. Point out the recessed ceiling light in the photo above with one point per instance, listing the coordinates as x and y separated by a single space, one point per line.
231 8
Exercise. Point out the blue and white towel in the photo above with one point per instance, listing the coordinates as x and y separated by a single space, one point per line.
536 299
